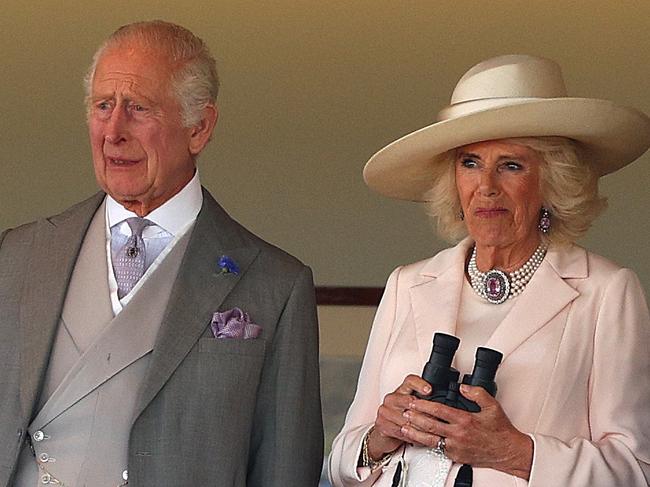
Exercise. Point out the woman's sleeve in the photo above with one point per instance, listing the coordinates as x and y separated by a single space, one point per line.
618 453
343 470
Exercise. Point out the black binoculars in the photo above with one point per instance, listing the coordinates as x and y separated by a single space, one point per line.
443 378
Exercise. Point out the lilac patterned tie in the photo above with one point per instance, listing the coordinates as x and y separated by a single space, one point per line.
129 265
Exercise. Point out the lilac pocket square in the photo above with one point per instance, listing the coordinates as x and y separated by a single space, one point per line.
234 323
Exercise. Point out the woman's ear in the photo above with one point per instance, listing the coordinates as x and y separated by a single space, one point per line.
202 131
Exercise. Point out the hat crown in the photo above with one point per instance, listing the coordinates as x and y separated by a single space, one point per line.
511 76
501 79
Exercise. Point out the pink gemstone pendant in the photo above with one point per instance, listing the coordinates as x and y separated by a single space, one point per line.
496 286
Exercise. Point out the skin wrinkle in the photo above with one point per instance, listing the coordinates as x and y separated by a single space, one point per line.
504 176
135 119
499 187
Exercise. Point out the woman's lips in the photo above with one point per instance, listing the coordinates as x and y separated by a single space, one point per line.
490 212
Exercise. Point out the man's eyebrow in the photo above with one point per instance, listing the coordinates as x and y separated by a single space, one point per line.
131 98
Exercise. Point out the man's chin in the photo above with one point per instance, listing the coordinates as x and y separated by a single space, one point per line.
140 205
129 201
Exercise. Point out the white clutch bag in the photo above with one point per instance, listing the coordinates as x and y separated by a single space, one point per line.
421 467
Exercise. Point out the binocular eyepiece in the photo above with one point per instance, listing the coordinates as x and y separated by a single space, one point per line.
443 378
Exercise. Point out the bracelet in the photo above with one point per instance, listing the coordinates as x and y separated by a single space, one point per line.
366 459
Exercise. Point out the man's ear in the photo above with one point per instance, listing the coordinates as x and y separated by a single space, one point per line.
202 131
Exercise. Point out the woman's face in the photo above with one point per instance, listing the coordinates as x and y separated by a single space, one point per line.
498 184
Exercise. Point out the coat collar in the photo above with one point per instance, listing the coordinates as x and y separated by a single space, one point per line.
435 296
199 291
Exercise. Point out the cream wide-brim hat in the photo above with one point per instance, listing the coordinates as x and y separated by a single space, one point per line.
506 97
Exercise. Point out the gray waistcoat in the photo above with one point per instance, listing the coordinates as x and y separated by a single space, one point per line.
81 432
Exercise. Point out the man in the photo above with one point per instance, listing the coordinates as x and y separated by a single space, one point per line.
147 338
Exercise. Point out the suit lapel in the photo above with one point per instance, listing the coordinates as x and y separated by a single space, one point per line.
126 339
120 346
56 245
436 299
198 292
546 295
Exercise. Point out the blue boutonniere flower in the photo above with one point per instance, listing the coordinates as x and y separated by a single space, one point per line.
227 265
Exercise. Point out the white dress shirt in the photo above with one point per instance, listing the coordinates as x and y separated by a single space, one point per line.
171 221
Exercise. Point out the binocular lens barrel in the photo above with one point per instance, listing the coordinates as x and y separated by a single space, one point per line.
486 363
439 373
438 370
444 348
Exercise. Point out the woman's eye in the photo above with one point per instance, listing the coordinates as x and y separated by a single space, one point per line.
467 162
513 165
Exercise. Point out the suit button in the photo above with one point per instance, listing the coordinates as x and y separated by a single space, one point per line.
44 458
38 435
45 478
125 475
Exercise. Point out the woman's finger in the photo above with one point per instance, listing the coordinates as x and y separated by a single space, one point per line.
414 384
421 438
426 423
479 395
438 410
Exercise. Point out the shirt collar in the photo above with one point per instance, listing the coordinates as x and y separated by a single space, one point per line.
172 216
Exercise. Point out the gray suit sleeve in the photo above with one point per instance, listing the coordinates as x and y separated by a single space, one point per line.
2 236
287 440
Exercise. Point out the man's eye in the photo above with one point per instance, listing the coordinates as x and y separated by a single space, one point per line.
138 108
103 105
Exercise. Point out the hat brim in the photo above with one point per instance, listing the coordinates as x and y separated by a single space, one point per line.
611 135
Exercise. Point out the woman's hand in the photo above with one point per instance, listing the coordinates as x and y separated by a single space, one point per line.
387 436
483 439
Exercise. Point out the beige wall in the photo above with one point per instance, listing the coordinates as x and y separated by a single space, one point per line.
343 335
345 329
310 90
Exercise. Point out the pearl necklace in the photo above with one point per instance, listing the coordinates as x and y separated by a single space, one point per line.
495 285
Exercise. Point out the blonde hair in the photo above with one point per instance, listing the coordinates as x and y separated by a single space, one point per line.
195 81
568 185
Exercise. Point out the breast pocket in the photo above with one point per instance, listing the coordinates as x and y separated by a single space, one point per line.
217 377
231 346
230 365
214 391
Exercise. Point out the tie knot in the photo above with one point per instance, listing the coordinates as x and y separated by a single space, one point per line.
137 224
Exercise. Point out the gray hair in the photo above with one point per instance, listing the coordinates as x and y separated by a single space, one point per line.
195 82
569 188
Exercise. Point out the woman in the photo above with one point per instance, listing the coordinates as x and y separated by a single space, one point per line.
513 164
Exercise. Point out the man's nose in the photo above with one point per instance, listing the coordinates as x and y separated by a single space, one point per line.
117 127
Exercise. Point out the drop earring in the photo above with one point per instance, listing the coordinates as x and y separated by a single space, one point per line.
544 224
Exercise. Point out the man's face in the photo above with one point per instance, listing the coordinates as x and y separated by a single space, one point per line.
142 153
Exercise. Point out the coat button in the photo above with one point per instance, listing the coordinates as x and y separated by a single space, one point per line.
45 478
38 436
44 457
125 475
